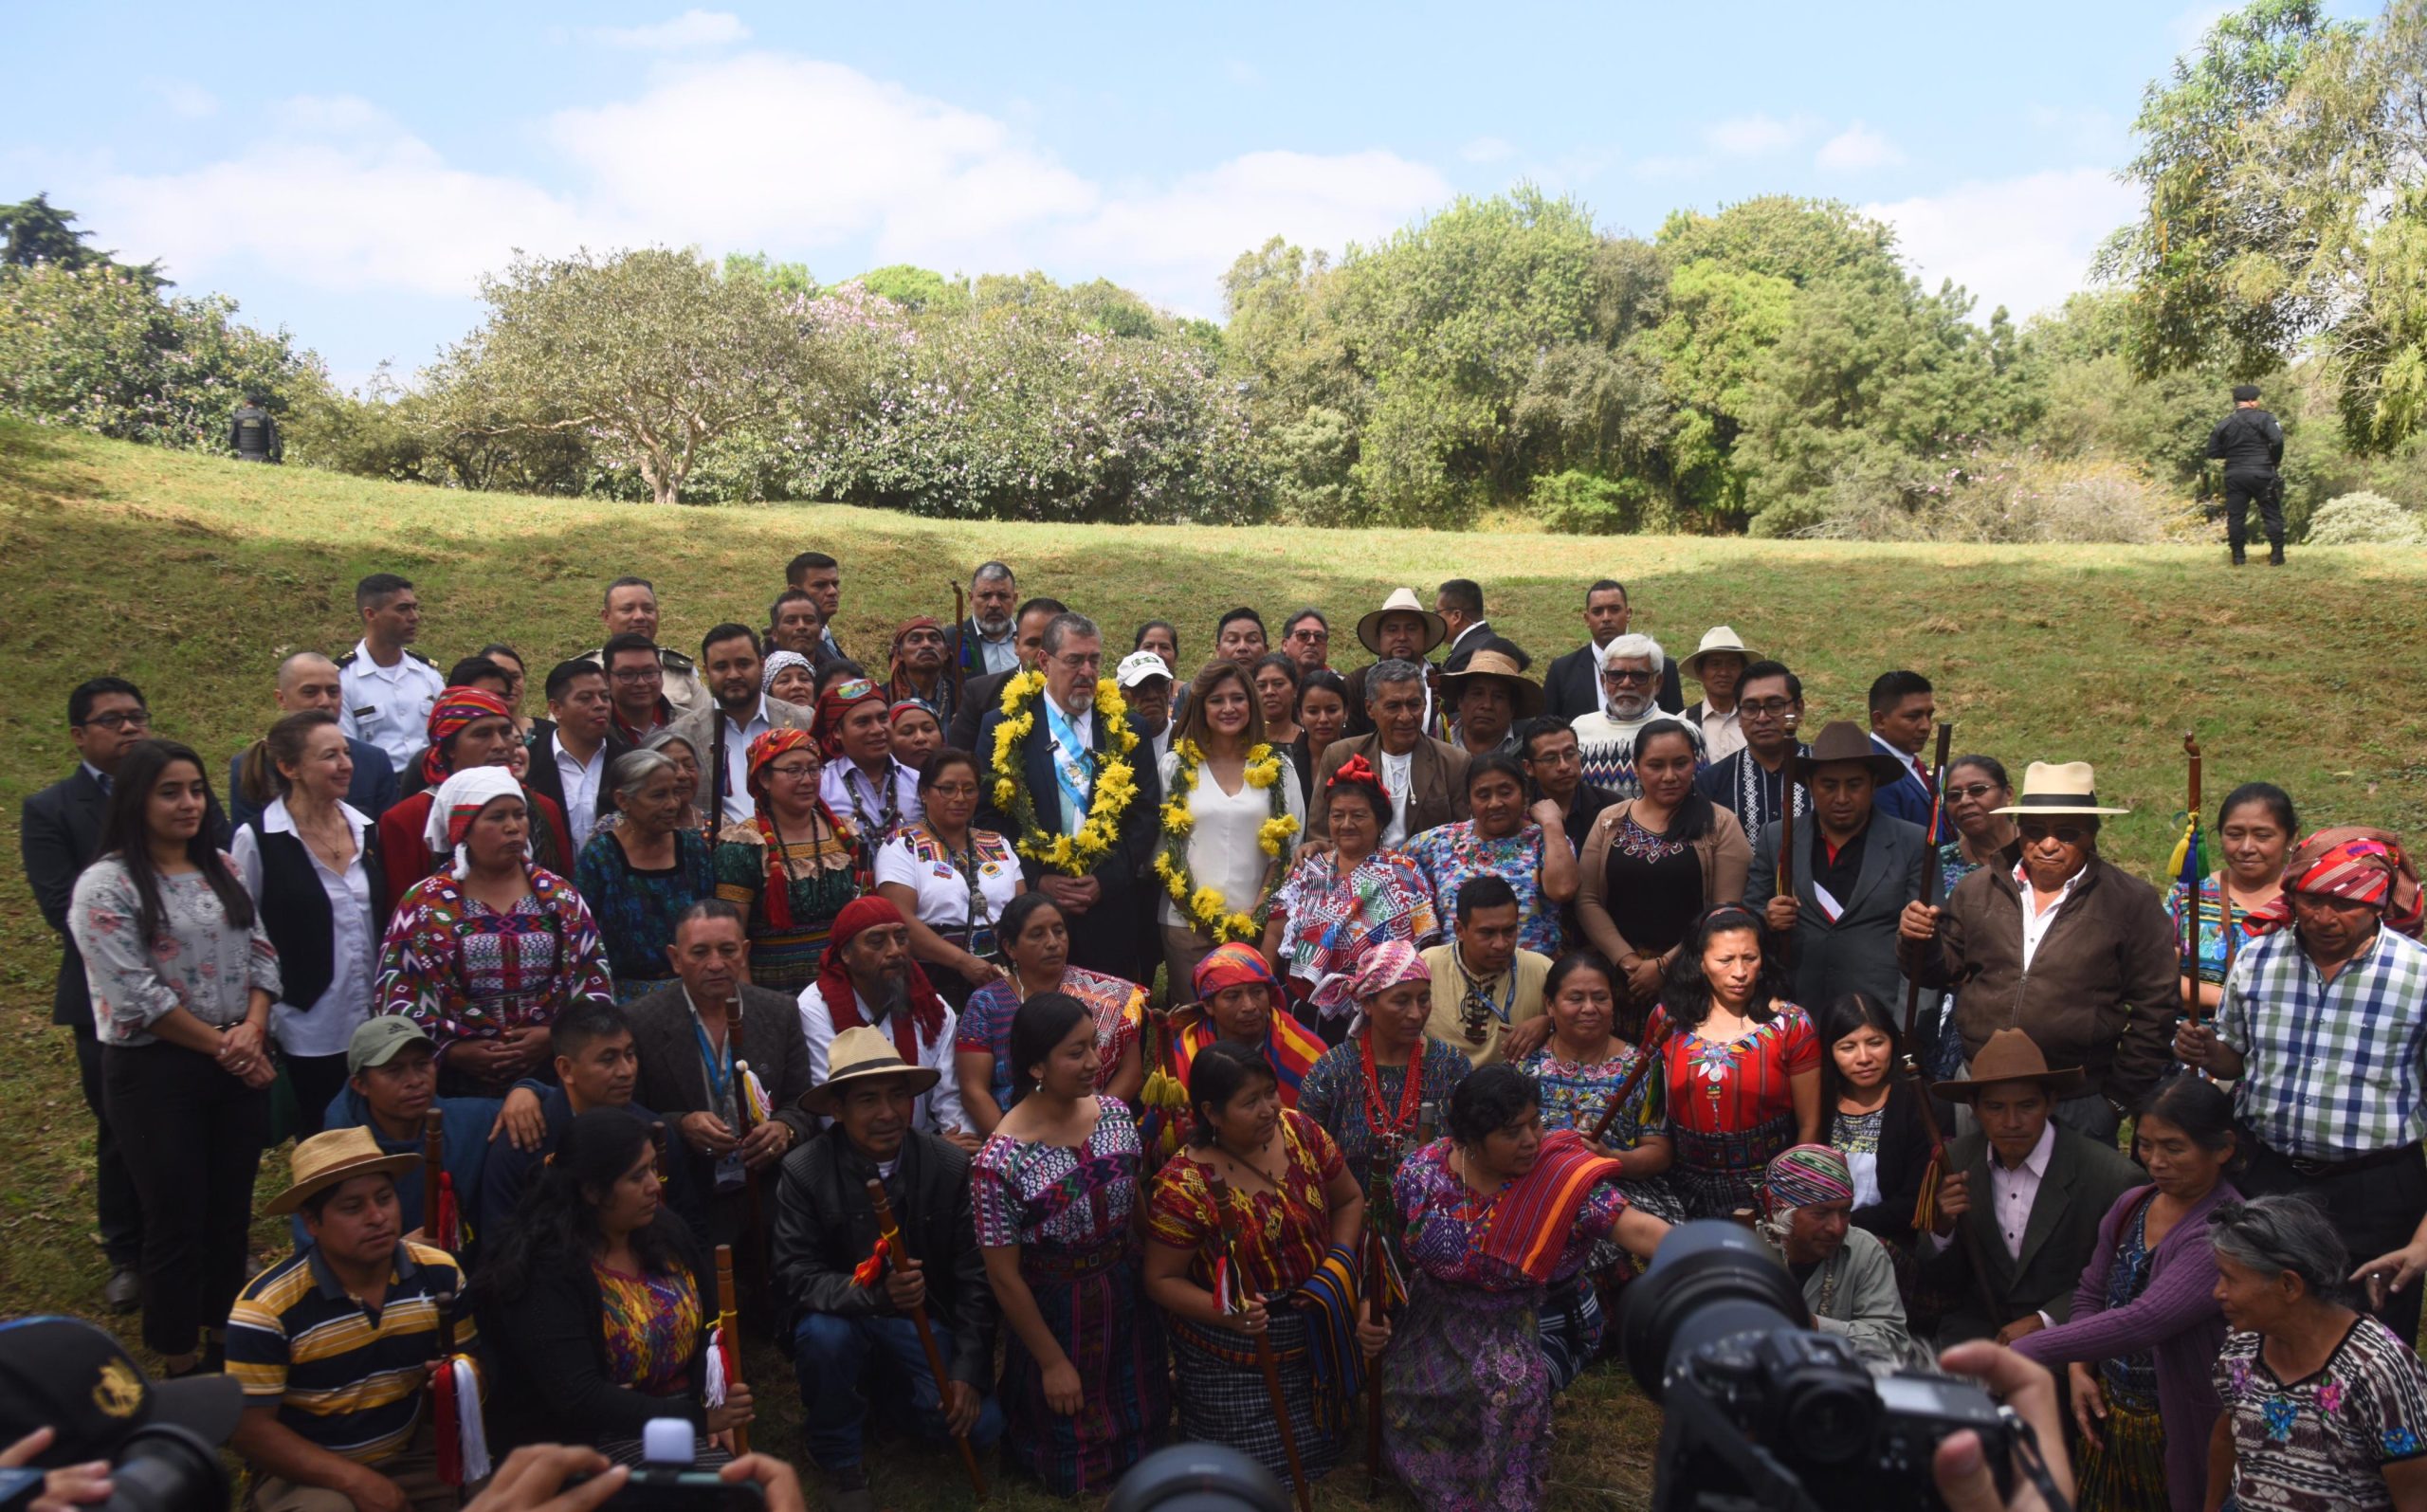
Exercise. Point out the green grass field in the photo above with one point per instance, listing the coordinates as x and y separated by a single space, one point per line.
195 576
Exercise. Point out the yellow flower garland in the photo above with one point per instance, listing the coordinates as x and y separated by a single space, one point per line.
1204 905
1073 855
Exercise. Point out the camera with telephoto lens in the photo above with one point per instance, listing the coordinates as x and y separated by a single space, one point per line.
669 1478
1760 1409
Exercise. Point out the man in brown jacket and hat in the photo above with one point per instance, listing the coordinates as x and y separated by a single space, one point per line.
1426 778
1401 629
2065 947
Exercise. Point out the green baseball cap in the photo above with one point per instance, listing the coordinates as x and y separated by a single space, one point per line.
376 1041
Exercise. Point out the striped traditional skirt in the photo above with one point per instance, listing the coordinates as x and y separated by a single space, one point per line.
1223 1399
1092 1303
2125 1472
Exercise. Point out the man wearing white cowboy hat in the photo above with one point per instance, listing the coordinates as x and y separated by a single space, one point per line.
1402 629
825 1228
320 1341
2076 952
1718 663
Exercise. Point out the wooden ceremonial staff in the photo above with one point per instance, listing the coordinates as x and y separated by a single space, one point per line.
2191 885
1220 1191
1379 1179
898 1255
1933 877
434 1173
960 627
1652 1051
729 1324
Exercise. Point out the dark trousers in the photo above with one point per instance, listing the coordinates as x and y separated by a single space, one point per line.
193 1136
2374 1210
121 1210
316 1081
2242 489
830 1355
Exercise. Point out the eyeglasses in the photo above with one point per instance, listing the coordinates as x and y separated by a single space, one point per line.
2065 834
794 770
1975 790
1310 635
120 720
1612 676
639 674
1081 663
1765 708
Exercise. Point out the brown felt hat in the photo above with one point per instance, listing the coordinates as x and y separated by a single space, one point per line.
2011 1055
1845 740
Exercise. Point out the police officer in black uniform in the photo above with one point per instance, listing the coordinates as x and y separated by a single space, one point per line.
252 434
2251 444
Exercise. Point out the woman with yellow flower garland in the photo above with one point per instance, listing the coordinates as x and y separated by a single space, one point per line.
1230 819
1064 783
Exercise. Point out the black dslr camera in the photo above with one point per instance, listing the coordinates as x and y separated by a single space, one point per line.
1759 1411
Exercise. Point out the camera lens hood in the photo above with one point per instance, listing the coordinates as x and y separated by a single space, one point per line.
1709 1279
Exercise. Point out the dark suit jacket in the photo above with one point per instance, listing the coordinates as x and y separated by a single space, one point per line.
548 782
824 1227
672 1079
2083 1179
1572 685
58 830
1436 783
1857 954
1104 937
979 697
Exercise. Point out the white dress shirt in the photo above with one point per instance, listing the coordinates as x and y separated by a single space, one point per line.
939 1107
739 804
325 1026
581 780
1723 734
389 706
2037 922
1398 779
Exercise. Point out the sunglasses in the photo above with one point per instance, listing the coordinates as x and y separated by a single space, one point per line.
2065 834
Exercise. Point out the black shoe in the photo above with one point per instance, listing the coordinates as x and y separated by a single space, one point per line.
2241 560
124 1291
2275 555
847 1490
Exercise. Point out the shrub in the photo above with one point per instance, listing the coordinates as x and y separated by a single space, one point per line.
2012 497
1578 503
2365 518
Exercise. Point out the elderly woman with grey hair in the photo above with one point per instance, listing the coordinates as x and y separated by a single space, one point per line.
640 875
2324 1406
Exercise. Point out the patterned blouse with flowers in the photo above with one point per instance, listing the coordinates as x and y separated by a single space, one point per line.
196 962
2213 954
1575 1095
1276 1241
651 1327
462 971
2321 1443
1452 855
1730 1103
820 882
1117 1007
1334 919
1446 1223
1056 1201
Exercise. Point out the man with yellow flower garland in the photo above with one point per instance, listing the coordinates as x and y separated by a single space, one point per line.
1063 780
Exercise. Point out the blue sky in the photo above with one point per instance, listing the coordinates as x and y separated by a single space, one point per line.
349 171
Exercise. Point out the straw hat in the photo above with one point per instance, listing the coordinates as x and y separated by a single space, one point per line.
1717 638
1844 741
2058 786
2011 1055
331 1157
1402 601
861 1054
1524 693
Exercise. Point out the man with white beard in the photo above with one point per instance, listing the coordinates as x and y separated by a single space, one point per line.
1605 737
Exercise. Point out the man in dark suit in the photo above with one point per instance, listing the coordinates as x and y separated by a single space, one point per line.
2028 1193
1574 685
1061 757
572 748
693 1038
59 830
987 641
307 679
982 696
1425 777
1854 870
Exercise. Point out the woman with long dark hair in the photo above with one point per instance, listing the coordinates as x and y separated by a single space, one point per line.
310 862
601 1299
1871 1115
1741 1061
1056 1191
183 977
1231 820
1037 941
1322 718
1653 863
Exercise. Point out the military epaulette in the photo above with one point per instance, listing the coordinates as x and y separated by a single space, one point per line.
667 657
418 657
349 658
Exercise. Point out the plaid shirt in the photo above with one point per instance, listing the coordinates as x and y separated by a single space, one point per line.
2333 1069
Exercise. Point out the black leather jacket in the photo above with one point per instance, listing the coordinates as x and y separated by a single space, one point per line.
824 1228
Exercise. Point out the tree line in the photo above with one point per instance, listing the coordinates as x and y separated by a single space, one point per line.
1772 366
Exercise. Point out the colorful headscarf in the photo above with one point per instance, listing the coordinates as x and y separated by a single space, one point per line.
1232 965
2351 862
459 801
1384 967
776 893
777 661
1804 1176
836 702
927 1015
920 622
904 706
455 708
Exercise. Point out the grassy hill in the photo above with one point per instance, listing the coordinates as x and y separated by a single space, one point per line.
193 576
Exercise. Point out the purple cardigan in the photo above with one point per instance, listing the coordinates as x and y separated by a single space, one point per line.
2174 1316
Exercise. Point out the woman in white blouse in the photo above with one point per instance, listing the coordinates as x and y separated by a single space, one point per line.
950 880
1232 819
307 861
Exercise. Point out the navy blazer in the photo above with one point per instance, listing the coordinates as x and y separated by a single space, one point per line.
59 829
1139 823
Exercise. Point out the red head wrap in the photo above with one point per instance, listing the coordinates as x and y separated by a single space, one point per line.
1230 965
836 702
927 1015
2351 862
454 708
1355 769
775 898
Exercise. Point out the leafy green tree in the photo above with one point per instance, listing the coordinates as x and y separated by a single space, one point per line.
35 232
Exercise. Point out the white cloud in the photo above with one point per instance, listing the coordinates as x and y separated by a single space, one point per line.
1856 148
188 99
1753 136
1488 150
2025 242
690 30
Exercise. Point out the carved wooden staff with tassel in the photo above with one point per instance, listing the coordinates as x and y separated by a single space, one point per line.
897 1253
442 1222
724 1347
461 1438
1269 1362
2191 868
1649 1056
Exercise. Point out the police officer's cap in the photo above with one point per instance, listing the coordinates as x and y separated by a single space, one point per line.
2245 393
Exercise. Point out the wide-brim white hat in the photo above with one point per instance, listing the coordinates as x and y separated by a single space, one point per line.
2058 786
